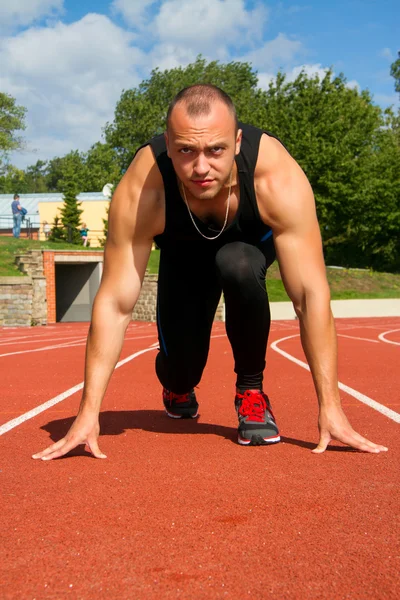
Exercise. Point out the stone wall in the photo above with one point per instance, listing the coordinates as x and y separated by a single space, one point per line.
16 295
146 306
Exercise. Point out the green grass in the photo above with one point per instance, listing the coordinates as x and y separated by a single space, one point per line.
344 283
10 246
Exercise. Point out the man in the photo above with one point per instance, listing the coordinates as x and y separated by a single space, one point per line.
217 199
17 216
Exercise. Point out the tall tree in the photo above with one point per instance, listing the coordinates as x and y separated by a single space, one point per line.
35 177
60 168
71 185
102 167
12 119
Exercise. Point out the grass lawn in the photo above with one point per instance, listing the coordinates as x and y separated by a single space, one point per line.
344 283
10 246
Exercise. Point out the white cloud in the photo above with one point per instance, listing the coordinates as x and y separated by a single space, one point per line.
309 70
291 74
206 25
386 53
70 78
16 13
134 12
386 100
276 53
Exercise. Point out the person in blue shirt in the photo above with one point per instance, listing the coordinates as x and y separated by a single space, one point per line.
17 216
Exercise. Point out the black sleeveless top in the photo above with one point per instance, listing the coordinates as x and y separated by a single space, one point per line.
246 226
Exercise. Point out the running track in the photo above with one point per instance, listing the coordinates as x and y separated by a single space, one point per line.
179 510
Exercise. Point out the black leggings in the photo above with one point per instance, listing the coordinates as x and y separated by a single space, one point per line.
189 289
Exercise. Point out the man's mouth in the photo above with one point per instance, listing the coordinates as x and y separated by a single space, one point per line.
202 182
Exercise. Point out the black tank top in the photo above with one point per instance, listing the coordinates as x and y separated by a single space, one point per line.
246 226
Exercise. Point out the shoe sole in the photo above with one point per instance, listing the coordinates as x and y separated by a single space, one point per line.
258 440
172 416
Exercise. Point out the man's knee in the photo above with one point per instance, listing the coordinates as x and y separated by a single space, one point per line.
240 263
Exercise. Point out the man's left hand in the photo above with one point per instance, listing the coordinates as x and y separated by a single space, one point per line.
333 425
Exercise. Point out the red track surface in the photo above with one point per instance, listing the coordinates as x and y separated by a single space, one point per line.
179 510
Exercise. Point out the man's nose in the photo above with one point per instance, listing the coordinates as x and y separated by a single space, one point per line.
201 166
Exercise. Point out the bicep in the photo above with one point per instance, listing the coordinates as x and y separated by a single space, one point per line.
134 220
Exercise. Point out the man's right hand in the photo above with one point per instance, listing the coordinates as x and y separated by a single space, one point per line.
84 430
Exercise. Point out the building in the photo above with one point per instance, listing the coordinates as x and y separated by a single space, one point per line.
45 207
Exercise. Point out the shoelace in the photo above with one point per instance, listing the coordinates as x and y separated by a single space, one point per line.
254 406
178 398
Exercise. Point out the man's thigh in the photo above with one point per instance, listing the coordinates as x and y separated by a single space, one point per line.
188 295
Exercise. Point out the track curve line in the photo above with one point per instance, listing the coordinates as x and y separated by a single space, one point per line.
42 407
384 410
382 337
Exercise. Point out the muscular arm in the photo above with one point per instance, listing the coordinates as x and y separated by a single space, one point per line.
135 217
286 202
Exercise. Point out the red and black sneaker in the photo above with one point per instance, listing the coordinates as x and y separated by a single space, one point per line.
256 421
180 406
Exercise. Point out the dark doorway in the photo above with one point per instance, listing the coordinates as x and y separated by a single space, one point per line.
76 287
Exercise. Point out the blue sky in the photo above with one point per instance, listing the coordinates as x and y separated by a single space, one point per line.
67 61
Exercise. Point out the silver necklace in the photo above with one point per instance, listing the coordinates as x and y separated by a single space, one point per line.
226 215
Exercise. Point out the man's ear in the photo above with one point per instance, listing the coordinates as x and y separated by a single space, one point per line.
238 141
167 142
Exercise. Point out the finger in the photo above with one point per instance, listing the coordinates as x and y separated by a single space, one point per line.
324 440
50 449
67 447
353 437
364 445
94 449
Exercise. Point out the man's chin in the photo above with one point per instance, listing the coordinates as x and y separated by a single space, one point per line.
206 193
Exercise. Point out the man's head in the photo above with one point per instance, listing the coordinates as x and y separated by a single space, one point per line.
16 197
202 138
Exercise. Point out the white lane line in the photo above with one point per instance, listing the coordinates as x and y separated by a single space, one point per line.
66 345
42 407
73 344
37 340
353 337
391 414
382 337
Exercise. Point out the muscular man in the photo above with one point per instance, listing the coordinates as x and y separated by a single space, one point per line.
219 198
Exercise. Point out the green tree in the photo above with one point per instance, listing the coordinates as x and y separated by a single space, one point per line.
12 180
71 213
102 167
12 119
395 72
345 144
71 185
35 177
141 112
57 232
59 170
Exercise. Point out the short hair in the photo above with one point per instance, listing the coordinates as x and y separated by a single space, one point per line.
16 196
198 99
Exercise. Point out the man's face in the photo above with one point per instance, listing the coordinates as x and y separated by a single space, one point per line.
203 148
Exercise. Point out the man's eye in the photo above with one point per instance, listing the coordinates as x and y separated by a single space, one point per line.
185 150
216 150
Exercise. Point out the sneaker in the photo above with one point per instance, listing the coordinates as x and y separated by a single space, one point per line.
180 406
256 422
